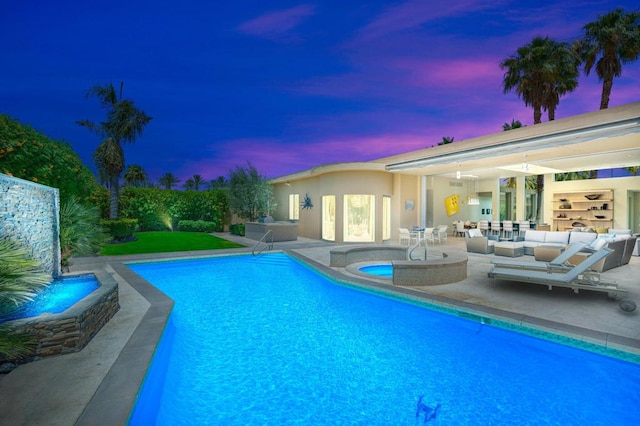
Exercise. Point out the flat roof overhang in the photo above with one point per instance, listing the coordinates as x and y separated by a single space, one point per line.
593 141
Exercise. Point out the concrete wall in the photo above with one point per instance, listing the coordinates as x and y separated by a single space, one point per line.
29 215
339 183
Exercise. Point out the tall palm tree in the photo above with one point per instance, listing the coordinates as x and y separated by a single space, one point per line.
197 181
135 176
168 180
124 123
563 75
540 72
219 183
189 185
608 43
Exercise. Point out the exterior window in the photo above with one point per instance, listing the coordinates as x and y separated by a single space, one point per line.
294 206
359 218
386 218
329 217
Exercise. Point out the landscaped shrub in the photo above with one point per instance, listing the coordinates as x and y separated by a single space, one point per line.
20 280
161 209
28 154
120 229
196 226
148 206
80 230
237 229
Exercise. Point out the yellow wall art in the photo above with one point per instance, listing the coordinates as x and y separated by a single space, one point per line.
451 204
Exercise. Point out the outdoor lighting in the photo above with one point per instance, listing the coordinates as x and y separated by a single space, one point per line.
525 166
458 174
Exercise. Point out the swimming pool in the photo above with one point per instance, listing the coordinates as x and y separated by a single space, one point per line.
266 340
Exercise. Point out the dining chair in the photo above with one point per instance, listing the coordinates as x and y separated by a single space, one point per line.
507 230
495 227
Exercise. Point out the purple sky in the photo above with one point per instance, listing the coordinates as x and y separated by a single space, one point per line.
285 85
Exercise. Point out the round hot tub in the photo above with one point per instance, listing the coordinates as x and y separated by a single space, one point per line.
382 270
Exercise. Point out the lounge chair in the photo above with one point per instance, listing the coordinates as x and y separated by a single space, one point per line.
559 263
577 278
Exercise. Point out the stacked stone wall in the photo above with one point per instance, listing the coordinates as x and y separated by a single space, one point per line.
29 215
71 331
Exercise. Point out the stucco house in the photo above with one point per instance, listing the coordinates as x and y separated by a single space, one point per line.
369 201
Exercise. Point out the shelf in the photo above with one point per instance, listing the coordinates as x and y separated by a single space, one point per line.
587 209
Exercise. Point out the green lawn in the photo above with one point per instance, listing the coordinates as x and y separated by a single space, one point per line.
162 242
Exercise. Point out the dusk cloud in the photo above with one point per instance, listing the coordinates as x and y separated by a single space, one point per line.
277 25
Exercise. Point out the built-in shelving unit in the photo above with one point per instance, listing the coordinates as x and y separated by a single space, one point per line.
583 208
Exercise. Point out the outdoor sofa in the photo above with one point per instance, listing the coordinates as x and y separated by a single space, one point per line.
620 241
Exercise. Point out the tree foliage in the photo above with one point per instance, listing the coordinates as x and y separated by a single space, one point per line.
540 73
515 124
80 230
124 123
27 154
135 176
250 194
168 180
446 140
608 43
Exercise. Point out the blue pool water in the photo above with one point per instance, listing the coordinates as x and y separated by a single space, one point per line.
59 296
385 270
266 340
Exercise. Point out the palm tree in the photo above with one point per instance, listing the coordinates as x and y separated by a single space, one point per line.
219 183
124 123
197 181
168 180
189 185
563 76
633 170
445 140
135 176
585 174
540 72
515 124
609 42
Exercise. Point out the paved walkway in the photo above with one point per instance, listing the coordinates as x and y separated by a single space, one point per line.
98 384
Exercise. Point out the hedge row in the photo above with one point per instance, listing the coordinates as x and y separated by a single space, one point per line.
196 226
120 229
162 209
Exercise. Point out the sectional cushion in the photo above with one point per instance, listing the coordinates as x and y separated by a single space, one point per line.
534 236
619 231
475 233
557 237
597 244
582 237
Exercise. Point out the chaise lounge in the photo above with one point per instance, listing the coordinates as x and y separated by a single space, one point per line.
577 278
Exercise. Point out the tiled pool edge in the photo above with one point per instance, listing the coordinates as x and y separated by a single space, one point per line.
113 400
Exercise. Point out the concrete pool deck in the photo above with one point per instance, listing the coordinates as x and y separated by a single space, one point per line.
98 384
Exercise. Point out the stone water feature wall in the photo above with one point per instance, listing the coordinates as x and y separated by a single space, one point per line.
71 330
29 215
